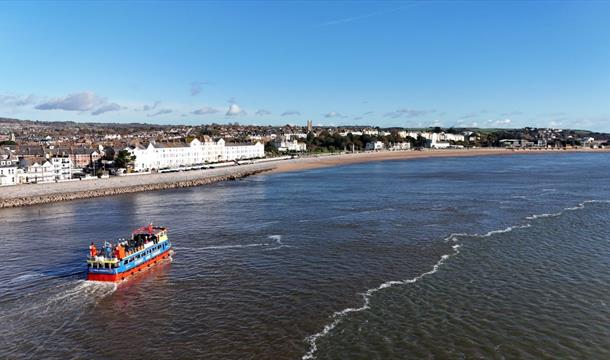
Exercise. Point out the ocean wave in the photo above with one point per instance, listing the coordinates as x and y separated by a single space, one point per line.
338 316
544 215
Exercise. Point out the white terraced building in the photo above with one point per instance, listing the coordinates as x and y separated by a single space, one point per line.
8 171
239 151
37 170
155 156
62 167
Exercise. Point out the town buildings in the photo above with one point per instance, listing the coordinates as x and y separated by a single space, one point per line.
166 155
36 170
62 167
285 143
405 145
239 151
8 169
375 146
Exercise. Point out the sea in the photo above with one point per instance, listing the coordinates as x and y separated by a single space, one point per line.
495 257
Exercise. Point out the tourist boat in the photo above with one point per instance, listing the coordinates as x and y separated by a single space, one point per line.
148 246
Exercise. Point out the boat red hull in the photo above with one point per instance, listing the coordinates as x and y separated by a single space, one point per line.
124 275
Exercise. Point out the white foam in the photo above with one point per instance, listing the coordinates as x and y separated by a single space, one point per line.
502 231
339 315
572 208
454 237
278 241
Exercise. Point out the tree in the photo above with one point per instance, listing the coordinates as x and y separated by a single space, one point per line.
271 149
123 158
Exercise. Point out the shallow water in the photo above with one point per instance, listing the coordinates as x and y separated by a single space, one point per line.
492 257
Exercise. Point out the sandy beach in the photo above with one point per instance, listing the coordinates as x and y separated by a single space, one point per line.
32 194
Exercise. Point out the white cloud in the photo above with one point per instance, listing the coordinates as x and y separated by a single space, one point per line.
83 101
503 122
206 110
235 110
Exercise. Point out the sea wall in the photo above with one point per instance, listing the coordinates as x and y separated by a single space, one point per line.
86 194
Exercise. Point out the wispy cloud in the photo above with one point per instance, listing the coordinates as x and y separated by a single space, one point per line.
197 87
15 101
473 114
363 16
262 112
407 113
106 108
334 114
290 113
161 112
500 122
149 107
206 110
83 101
511 113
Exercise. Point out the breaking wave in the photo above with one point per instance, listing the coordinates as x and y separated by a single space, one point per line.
338 316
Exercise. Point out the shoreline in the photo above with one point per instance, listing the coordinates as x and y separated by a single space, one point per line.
28 195
309 163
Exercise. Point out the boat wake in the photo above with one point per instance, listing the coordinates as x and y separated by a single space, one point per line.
338 316
276 243
66 297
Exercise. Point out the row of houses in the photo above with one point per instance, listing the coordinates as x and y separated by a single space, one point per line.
290 142
164 155
80 157
29 170
378 146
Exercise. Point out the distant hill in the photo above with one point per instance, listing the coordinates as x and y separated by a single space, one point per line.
9 122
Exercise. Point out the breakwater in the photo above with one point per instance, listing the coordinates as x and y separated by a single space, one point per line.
109 191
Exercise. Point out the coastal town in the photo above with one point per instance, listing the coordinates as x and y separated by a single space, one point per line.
34 152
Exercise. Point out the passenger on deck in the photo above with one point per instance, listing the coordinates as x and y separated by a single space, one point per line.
92 250
108 250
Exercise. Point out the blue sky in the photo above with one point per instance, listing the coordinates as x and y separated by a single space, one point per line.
411 64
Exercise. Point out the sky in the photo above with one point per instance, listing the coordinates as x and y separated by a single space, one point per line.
406 64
